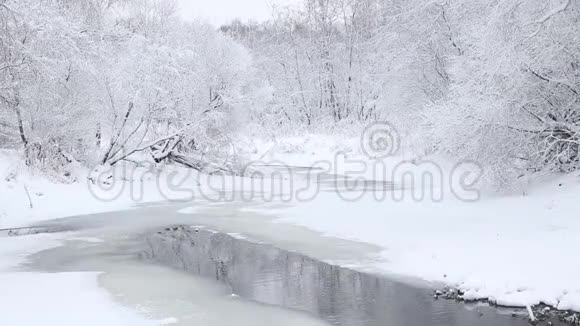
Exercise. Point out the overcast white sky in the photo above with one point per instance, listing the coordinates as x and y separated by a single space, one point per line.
219 12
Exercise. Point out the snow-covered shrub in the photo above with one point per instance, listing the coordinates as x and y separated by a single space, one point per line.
514 98
98 82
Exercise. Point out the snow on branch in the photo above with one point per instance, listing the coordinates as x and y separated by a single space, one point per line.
550 14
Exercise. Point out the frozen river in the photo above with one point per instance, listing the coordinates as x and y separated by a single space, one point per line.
228 265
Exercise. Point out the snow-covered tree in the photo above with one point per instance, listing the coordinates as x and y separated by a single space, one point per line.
99 80
514 99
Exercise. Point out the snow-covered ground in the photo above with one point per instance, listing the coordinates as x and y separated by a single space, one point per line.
28 197
30 298
516 249
33 298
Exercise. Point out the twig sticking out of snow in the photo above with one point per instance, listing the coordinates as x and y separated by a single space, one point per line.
531 313
28 194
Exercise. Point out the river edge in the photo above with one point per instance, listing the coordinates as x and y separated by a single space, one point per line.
171 242
544 314
541 313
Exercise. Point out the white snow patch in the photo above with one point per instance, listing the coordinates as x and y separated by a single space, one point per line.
188 210
237 236
168 321
60 299
33 298
13 250
87 239
129 186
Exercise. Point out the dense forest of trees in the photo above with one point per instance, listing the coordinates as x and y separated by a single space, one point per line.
96 81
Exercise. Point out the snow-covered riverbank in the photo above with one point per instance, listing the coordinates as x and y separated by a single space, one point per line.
66 299
517 250
514 249
29 197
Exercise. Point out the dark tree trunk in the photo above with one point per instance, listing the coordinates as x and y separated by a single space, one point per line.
20 126
98 135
